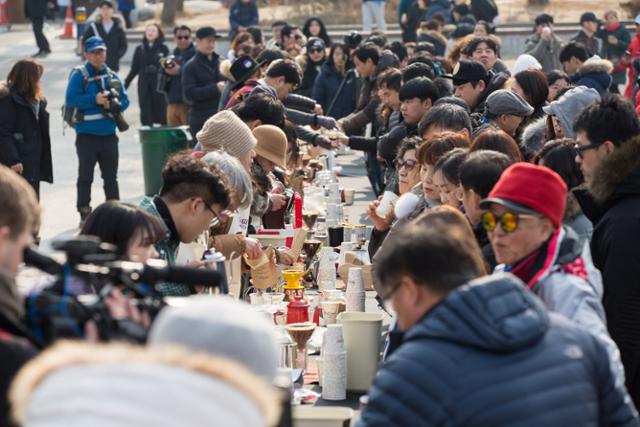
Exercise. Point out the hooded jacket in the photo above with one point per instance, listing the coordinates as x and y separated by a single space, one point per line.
596 74
570 105
24 136
569 285
615 186
116 40
311 70
615 53
533 138
489 354
436 38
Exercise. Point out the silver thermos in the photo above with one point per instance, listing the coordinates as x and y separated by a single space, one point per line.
214 260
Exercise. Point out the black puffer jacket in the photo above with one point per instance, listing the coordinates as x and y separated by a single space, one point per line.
615 186
24 136
489 354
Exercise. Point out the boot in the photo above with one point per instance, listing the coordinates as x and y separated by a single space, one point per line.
84 213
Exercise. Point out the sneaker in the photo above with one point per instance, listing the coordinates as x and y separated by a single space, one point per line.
84 213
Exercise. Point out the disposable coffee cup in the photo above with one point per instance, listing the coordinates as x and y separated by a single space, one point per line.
330 310
333 212
355 283
349 196
334 193
355 301
386 204
256 299
333 340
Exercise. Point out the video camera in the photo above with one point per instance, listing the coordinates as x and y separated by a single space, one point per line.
86 280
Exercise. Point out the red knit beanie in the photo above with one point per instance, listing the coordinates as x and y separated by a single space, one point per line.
535 187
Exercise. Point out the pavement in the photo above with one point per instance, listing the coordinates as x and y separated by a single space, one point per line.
58 200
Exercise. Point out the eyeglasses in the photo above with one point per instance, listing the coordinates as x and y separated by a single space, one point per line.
508 221
580 149
183 37
216 221
407 164
316 50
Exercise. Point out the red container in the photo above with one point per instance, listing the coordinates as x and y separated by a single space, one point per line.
297 311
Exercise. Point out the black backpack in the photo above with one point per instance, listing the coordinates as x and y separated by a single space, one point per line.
71 115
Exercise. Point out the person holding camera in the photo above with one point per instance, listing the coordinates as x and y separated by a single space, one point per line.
145 64
201 80
177 108
98 97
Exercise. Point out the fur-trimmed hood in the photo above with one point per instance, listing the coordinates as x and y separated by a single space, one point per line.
534 136
435 35
159 387
595 64
225 70
618 175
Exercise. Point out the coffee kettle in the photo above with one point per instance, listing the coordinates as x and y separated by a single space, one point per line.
214 260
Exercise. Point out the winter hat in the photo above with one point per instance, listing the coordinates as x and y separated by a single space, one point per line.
528 188
504 101
272 144
225 131
524 62
570 105
118 385
222 327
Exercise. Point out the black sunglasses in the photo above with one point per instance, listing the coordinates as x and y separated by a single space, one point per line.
315 50
580 149
183 37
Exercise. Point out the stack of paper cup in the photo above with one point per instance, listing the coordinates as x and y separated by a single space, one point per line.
327 269
334 193
386 204
334 364
355 290
333 212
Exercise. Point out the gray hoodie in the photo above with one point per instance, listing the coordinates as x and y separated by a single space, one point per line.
570 105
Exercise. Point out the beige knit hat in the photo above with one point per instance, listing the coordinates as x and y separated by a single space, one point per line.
272 144
225 131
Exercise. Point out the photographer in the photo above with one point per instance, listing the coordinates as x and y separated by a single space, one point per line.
19 218
99 98
177 108
146 64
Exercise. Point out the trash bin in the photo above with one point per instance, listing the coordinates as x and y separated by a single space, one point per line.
157 144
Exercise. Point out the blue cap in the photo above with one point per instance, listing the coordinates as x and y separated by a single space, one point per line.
94 43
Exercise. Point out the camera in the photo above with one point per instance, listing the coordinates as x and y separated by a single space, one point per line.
114 112
87 279
170 62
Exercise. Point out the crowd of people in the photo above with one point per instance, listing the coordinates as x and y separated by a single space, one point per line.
510 281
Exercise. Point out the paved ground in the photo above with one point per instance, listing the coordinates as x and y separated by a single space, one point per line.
58 200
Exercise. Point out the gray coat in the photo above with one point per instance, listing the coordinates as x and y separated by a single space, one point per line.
546 52
564 290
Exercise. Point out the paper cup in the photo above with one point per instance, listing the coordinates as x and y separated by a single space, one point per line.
355 301
333 212
334 193
256 299
386 204
349 196
334 376
330 310
333 340
331 295
356 280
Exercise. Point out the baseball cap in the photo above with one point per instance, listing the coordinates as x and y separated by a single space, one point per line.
528 188
506 102
467 71
205 32
315 42
588 17
94 43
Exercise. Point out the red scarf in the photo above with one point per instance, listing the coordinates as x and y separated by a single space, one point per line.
612 27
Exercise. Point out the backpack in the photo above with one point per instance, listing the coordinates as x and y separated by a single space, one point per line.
71 115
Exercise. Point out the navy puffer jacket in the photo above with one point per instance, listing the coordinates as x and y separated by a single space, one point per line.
490 355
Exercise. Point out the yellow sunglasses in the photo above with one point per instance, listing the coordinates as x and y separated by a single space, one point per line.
508 221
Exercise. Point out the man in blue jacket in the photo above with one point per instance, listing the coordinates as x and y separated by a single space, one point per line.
90 93
481 351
